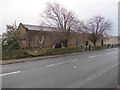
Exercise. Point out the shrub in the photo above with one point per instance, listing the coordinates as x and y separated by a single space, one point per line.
98 47
13 54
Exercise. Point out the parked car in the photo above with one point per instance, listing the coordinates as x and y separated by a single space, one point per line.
57 45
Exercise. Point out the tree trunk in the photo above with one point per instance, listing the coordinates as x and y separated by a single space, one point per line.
102 43
65 43
94 43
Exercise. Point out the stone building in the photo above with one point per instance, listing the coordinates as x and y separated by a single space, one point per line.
31 36
34 36
112 41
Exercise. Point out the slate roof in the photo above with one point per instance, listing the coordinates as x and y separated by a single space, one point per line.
118 37
38 28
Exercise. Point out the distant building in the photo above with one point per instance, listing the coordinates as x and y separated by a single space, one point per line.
112 41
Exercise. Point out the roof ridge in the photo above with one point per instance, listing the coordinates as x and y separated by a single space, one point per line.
37 27
30 25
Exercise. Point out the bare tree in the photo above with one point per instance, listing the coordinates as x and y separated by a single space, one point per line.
96 27
78 30
57 16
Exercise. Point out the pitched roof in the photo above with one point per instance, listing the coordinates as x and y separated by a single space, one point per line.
118 37
38 28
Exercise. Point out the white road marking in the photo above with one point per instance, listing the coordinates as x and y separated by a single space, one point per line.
93 77
74 60
112 52
68 61
10 73
62 63
103 54
88 78
74 67
50 65
92 56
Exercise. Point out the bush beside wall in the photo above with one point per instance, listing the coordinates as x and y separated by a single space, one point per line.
16 54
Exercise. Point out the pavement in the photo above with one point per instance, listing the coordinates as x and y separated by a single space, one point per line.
94 69
29 59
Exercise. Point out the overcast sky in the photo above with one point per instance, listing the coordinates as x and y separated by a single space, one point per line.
28 11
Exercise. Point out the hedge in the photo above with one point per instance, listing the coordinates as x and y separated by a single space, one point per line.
16 54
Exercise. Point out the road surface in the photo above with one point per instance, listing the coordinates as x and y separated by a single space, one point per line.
94 69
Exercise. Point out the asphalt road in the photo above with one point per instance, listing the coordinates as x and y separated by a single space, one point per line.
95 69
